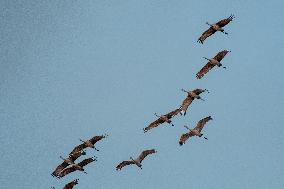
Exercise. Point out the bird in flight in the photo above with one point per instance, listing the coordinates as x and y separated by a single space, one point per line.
211 63
162 119
191 95
76 167
196 131
70 185
214 28
136 161
88 143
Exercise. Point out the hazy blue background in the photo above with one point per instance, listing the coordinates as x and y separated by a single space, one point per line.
74 69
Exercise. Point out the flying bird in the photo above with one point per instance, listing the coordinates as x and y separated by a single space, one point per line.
196 131
70 185
76 167
89 143
162 119
66 162
191 95
137 161
214 28
211 63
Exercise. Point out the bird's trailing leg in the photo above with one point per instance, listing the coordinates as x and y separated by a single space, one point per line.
96 149
170 122
231 17
224 32
95 158
221 65
203 137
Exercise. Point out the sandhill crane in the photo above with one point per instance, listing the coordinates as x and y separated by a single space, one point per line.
191 95
162 119
76 167
214 28
196 131
212 62
89 143
137 161
70 185
66 162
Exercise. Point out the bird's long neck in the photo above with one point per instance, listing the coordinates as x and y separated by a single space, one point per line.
209 24
207 59
185 91
213 61
215 27
157 115
65 160
132 159
136 162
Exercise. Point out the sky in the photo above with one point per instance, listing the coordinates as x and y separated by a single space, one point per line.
75 69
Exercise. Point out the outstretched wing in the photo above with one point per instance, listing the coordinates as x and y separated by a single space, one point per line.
67 171
204 70
221 55
96 139
154 124
225 21
202 122
86 162
206 34
78 149
123 164
70 185
198 91
146 153
173 113
184 137
59 168
186 102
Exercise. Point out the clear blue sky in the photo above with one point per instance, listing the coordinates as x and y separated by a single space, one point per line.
74 69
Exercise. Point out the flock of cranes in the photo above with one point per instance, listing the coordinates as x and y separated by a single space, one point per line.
68 165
